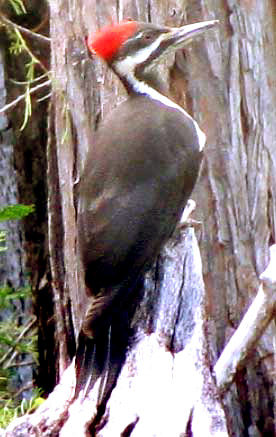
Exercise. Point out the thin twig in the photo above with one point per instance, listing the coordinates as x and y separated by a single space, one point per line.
22 96
41 99
18 29
27 82
22 334
28 386
22 29
25 363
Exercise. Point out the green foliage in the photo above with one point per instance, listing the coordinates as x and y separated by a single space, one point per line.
10 333
8 295
18 6
20 339
7 414
29 406
15 339
12 212
15 212
18 46
9 411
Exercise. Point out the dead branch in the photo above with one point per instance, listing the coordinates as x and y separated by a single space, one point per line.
254 323
23 96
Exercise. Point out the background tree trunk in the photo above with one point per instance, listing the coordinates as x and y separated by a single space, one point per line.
23 180
227 82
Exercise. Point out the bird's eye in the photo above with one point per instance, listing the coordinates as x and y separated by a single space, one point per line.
148 37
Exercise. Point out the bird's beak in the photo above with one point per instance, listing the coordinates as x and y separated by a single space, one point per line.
180 36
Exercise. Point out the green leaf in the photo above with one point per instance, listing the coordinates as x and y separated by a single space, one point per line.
18 6
8 294
15 212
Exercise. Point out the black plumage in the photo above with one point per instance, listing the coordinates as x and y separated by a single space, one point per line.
137 178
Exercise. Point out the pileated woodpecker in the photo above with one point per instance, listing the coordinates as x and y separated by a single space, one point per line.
139 173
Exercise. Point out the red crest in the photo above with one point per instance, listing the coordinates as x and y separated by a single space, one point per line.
107 41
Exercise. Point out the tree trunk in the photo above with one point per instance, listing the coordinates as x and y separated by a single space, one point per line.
24 181
226 81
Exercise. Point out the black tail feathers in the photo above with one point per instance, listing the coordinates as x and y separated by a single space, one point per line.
102 352
103 358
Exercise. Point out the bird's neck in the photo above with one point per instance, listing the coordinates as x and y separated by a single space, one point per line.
152 87
145 83
153 81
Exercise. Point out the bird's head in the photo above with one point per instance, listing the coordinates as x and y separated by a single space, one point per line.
129 44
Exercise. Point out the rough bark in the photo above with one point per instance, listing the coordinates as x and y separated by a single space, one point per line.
23 171
236 192
227 82
220 81
31 164
11 260
165 387
160 392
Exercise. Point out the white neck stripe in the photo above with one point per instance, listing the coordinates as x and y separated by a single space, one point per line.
126 67
143 88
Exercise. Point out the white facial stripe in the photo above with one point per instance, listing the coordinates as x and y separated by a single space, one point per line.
127 65
138 35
